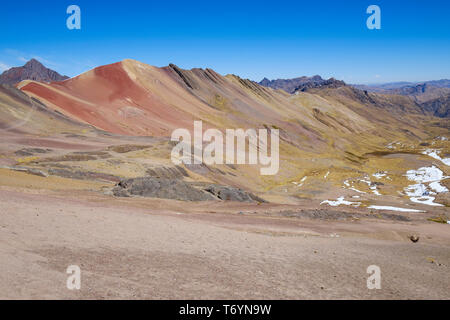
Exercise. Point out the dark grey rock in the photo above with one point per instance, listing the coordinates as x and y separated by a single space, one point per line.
177 189
160 188
232 194
30 151
32 171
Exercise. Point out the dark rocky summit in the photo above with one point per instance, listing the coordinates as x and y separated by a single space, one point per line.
32 70
289 85
330 83
301 83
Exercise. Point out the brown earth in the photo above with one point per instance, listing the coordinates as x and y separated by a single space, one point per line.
150 250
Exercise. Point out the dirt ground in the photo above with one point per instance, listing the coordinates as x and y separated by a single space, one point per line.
160 249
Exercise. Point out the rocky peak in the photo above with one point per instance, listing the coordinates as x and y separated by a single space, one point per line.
32 70
34 64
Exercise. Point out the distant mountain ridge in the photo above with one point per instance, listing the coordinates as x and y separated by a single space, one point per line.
432 96
330 83
300 84
443 83
419 91
32 70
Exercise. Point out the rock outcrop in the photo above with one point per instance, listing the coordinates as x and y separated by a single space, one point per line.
232 194
180 190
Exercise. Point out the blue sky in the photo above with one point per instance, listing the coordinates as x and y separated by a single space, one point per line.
254 39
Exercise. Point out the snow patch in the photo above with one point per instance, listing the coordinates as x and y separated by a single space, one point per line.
428 200
379 175
394 209
299 184
375 190
354 189
416 190
419 192
372 187
425 174
436 186
367 181
340 201
435 154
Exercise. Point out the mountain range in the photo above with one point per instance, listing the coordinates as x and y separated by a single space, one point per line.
114 123
431 96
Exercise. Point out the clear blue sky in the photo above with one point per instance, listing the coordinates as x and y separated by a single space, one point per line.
254 39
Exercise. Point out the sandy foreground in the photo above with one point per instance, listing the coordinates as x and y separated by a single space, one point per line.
153 249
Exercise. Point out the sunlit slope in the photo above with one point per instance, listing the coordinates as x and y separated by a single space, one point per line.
133 98
111 99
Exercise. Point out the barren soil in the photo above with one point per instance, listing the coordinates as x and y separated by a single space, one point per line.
162 249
